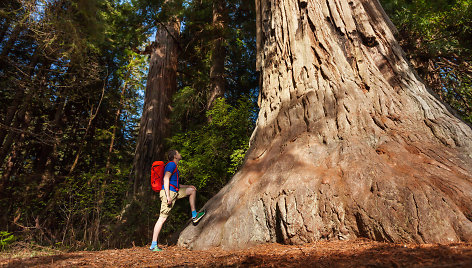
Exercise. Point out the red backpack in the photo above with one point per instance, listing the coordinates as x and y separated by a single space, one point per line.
157 175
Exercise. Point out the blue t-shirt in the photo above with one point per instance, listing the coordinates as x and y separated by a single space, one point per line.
174 179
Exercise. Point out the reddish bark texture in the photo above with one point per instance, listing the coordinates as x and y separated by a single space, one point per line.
349 142
218 54
161 85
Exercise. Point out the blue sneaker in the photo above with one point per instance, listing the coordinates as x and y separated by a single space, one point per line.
156 248
199 216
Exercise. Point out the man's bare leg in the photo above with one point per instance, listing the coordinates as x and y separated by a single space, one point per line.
158 228
191 192
192 196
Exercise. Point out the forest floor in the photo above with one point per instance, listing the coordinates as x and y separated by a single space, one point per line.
357 253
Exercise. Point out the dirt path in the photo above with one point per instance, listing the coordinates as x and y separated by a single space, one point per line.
359 253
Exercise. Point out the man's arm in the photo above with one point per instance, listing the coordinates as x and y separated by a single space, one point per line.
166 186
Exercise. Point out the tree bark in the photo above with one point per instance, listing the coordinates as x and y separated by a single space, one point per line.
89 128
161 85
49 151
4 28
115 126
348 143
15 139
217 69
20 125
101 192
19 27
19 96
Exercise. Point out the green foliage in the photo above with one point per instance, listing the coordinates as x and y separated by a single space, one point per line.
213 147
74 80
6 239
73 77
437 37
72 88
213 143
213 151
239 44
87 198
445 23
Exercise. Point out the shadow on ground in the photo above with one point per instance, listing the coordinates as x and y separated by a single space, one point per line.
357 253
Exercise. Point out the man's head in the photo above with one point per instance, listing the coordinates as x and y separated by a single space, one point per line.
174 155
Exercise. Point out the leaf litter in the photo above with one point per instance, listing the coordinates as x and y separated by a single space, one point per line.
354 253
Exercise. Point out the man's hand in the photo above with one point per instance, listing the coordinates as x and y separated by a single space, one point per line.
169 201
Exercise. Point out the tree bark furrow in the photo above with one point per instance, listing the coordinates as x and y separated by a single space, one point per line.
348 143
161 85
338 23
347 17
363 24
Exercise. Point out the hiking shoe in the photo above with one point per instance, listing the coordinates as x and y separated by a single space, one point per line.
199 216
156 248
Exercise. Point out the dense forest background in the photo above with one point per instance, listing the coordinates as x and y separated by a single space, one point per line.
73 76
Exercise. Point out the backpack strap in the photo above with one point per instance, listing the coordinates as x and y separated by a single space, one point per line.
175 170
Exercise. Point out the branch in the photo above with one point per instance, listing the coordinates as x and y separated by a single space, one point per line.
38 138
92 117
147 50
173 37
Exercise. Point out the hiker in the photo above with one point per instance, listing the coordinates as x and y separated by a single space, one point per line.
170 192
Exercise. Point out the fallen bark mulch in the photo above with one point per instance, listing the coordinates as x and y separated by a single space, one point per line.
357 253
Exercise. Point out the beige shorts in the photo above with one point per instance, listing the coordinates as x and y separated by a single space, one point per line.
165 209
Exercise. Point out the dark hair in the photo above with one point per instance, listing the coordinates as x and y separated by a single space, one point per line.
171 154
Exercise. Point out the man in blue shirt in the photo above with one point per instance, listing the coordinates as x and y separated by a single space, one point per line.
170 192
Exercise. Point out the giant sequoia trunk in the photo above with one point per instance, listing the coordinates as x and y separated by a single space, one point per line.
161 85
218 54
348 143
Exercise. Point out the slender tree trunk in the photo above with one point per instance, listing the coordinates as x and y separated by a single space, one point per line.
4 29
217 69
49 152
17 123
115 126
101 192
8 170
19 27
348 142
20 125
161 85
89 127
13 128
16 139
17 100
83 141
10 114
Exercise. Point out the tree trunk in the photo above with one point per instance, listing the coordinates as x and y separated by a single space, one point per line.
101 192
90 127
49 151
19 27
348 142
16 139
115 126
161 85
217 69
19 96
10 113
4 28
20 125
